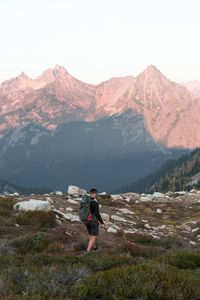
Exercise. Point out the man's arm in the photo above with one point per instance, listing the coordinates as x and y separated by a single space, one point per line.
96 212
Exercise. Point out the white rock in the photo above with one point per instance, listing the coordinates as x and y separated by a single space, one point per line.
117 218
147 226
130 231
155 237
162 227
59 222
145 221
72 201
33 204
105 217
59 193
192 243
128 199
195 229
158 210
76 191
137 202
192 191
117 197
181 193
158 194
126 211
111 229
69 208
198 237
71 217
103 193
17 225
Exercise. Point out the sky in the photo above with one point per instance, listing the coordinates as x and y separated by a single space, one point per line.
99 39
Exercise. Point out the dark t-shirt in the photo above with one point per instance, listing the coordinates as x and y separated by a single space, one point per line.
94 207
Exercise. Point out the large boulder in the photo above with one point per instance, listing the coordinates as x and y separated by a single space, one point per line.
76 191
105 217
33 204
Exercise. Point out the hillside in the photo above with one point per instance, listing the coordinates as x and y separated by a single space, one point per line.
173 175
10 188
150 248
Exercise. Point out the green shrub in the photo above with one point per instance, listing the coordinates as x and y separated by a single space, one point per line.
36 218
7 203
140 250
183 260
105 261
31 243
143 281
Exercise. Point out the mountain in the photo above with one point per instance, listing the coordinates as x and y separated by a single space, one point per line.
193 86
170 111
173 175
9 188
106 153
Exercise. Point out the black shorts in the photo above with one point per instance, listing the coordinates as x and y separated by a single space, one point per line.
93 228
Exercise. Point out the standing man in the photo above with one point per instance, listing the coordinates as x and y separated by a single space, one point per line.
93 225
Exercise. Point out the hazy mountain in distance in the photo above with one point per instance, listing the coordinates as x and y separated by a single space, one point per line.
193 86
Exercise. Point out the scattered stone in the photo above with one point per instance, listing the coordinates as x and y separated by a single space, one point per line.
33 204
76 191
111 229
126 211
72 201
195 229
157 194
147 226
69 208
105 217
158 210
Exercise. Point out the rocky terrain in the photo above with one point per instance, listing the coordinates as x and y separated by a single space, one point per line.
151 241
193 86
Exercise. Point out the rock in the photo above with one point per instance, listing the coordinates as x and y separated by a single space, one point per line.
193 191
195 229
126 211
111 229
105 217
198 237
157 194
186 227
120 219
72 201
130 231
162 227
59 193
155 237
69 208
71 217
147 226
103 193
117 218
192 243
145 221
17 225
76 191
137 202
59 222
158 210
181 193
33 204
117 197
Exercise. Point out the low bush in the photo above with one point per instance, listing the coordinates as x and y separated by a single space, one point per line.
36 218
183 260
31 243
143 281
140 250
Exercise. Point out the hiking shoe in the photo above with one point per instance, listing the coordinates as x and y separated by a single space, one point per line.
96 248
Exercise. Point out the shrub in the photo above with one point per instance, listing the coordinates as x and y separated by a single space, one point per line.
31 243
7 203
143 281
36 218
140 250
105 261
183 260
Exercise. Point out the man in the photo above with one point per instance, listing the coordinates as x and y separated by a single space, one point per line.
93 225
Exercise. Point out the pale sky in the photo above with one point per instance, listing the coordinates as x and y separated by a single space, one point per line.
99 39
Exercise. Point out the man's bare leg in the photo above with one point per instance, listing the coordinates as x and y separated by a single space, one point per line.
91 242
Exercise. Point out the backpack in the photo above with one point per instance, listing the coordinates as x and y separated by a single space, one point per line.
84 210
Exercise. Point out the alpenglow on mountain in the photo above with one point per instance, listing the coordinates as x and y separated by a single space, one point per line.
170 111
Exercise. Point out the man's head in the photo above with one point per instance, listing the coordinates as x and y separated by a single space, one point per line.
93 193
